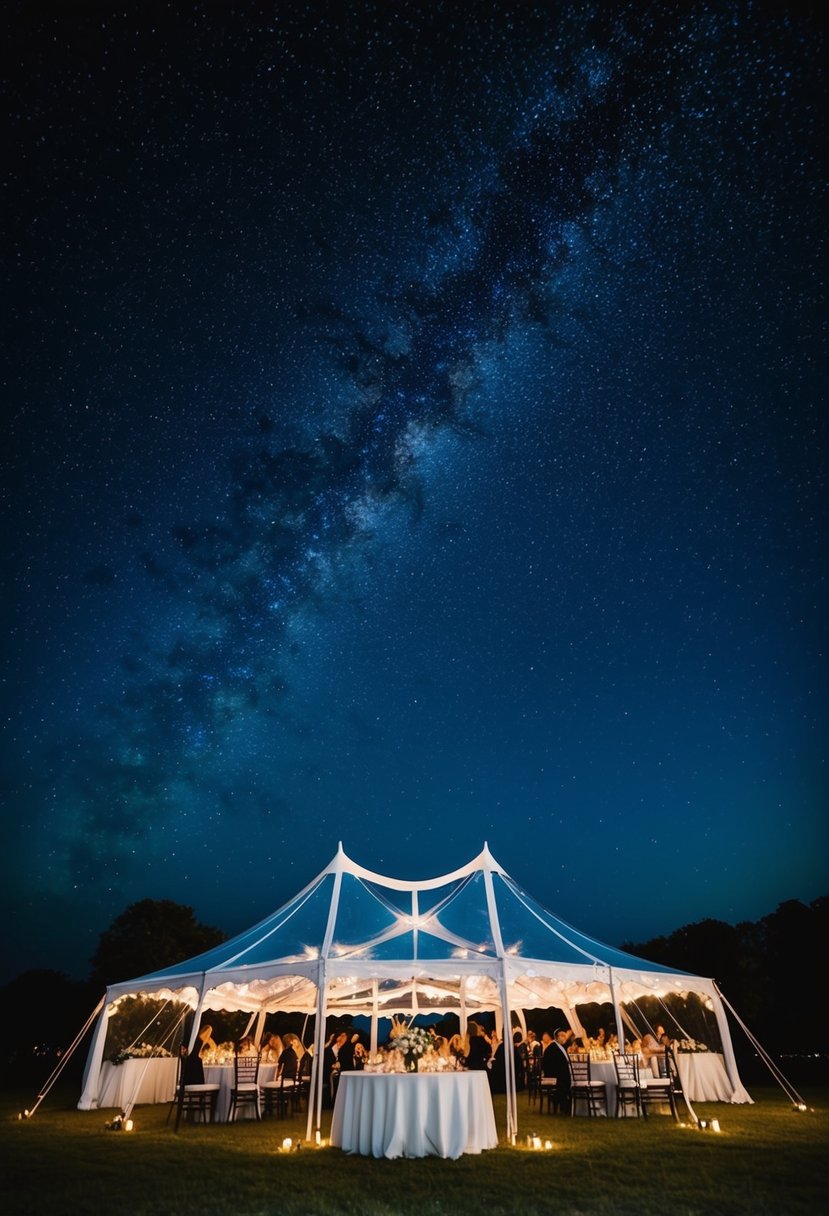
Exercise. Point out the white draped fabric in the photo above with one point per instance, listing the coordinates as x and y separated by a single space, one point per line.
413 1115
136 1082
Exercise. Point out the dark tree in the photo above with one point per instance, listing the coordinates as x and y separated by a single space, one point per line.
40 1014
151 934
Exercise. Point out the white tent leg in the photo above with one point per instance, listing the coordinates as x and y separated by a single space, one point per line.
194 1030
509 1060
617 1009
260 1026
374 1016
315 1088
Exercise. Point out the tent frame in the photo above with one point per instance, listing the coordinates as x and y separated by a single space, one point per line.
339 977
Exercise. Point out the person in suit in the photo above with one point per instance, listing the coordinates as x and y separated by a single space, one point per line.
555 1064
329 1063
498 1068
520 1060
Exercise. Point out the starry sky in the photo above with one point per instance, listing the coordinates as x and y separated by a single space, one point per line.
416 437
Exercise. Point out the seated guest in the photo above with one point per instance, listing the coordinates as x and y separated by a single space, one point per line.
520 1058
479 1049
273 1049
344 1052
289 1059
650 1046
246 1047
498 1069
359 1052
192 1069
329 1066
206 1041
459 1046
442 1048
534 1048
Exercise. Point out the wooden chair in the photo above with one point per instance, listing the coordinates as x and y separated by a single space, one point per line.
548 1094
628 1091
245 1091
277 1095
584 1088
661 1090
194 1100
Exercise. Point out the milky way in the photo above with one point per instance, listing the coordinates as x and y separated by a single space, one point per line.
417 440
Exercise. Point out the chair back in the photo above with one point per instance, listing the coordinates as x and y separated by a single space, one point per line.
673 1071
247 1069
627 1069
580 1068
662 1067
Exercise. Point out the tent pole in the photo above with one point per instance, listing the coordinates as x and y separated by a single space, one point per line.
194 1029
617 1009
509 1058
260 1026
374 1016
315 1090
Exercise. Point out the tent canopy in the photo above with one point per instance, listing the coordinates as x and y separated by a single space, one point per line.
388 945
357 942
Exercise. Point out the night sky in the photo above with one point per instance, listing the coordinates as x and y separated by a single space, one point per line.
416 437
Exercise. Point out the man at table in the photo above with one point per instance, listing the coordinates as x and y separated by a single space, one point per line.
555 1064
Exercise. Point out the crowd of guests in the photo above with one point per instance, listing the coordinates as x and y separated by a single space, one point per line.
545 1058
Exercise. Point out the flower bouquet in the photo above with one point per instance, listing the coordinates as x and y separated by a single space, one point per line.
141 1051
410 1042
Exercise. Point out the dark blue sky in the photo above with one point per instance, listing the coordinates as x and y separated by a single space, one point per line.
417 438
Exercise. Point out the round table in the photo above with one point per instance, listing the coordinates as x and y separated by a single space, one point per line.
413 1114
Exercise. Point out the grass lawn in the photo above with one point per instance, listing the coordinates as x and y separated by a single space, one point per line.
767 1159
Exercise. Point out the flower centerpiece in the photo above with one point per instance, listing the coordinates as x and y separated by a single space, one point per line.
691 1047
141 1051
410 1042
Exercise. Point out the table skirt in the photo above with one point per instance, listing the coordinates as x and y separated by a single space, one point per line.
413 1115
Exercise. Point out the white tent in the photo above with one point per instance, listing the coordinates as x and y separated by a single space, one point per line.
356 942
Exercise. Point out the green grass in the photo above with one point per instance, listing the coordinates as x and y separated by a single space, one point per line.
768 1159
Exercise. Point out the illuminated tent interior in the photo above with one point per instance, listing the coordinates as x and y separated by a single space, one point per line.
353 941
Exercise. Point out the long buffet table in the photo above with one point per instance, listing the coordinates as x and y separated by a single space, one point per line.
413 1114
702 1074
140 1082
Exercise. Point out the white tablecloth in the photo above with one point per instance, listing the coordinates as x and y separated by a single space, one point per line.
704 1078
223 1074
138 1081
413 1115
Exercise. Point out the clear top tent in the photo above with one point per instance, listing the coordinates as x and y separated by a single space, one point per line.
356 942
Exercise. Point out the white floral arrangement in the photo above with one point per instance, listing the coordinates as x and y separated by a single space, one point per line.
691 1047
141 1051
410 1041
